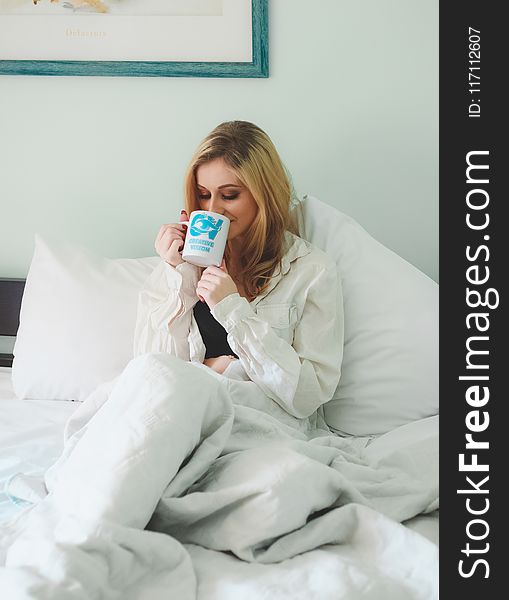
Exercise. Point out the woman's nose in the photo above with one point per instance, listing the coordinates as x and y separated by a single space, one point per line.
216 205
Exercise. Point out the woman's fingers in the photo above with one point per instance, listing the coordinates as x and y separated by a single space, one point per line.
213 270
175 246
173 234
168 247
203 287
211 277
170 240
164 229
169 237
160 233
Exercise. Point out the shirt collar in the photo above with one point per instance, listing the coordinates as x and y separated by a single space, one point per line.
296 247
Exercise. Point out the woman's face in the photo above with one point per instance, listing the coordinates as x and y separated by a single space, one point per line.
220 191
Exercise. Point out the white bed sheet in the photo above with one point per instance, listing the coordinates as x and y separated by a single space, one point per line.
31 437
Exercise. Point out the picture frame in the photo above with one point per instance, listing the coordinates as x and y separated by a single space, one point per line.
228 38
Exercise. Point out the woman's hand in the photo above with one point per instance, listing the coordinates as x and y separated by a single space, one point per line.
219 363
215 284
170 239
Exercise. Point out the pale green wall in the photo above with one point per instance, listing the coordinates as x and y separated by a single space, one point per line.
351 104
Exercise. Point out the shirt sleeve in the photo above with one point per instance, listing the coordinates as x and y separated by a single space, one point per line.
302 376
165 306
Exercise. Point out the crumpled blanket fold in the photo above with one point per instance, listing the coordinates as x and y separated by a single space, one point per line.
171 453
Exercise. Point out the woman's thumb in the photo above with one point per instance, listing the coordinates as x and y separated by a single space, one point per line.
183 216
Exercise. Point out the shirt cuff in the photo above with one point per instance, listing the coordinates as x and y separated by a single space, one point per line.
184 275
231 310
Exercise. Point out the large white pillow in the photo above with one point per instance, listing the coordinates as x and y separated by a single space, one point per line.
390 362
77 321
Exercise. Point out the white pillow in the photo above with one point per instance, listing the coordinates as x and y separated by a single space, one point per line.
77 321
390 363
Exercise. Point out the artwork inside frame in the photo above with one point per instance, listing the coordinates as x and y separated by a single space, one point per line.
144 38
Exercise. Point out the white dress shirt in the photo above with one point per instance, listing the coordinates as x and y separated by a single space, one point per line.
289 339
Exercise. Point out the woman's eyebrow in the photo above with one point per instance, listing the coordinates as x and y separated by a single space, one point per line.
221 186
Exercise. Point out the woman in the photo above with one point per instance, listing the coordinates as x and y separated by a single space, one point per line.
272 314
205 434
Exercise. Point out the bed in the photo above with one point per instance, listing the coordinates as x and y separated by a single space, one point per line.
383 560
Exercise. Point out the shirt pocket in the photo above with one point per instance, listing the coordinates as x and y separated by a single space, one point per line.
281 317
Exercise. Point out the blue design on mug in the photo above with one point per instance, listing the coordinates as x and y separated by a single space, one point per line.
205 225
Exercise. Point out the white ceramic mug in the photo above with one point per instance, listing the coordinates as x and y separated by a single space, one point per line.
207 233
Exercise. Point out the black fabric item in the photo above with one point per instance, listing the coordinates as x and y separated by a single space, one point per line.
212 332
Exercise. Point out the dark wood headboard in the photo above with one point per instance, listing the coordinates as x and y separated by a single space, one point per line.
11 293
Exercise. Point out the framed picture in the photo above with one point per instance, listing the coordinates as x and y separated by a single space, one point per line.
144 38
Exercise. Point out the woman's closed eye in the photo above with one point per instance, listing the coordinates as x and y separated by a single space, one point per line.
207 197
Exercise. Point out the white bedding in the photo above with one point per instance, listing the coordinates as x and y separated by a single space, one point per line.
30 436
384 560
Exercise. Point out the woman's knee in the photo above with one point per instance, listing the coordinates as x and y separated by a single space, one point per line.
155 359
174 370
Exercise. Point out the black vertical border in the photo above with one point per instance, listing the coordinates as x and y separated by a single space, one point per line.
460 134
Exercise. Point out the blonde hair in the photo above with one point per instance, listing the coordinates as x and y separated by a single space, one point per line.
250 153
